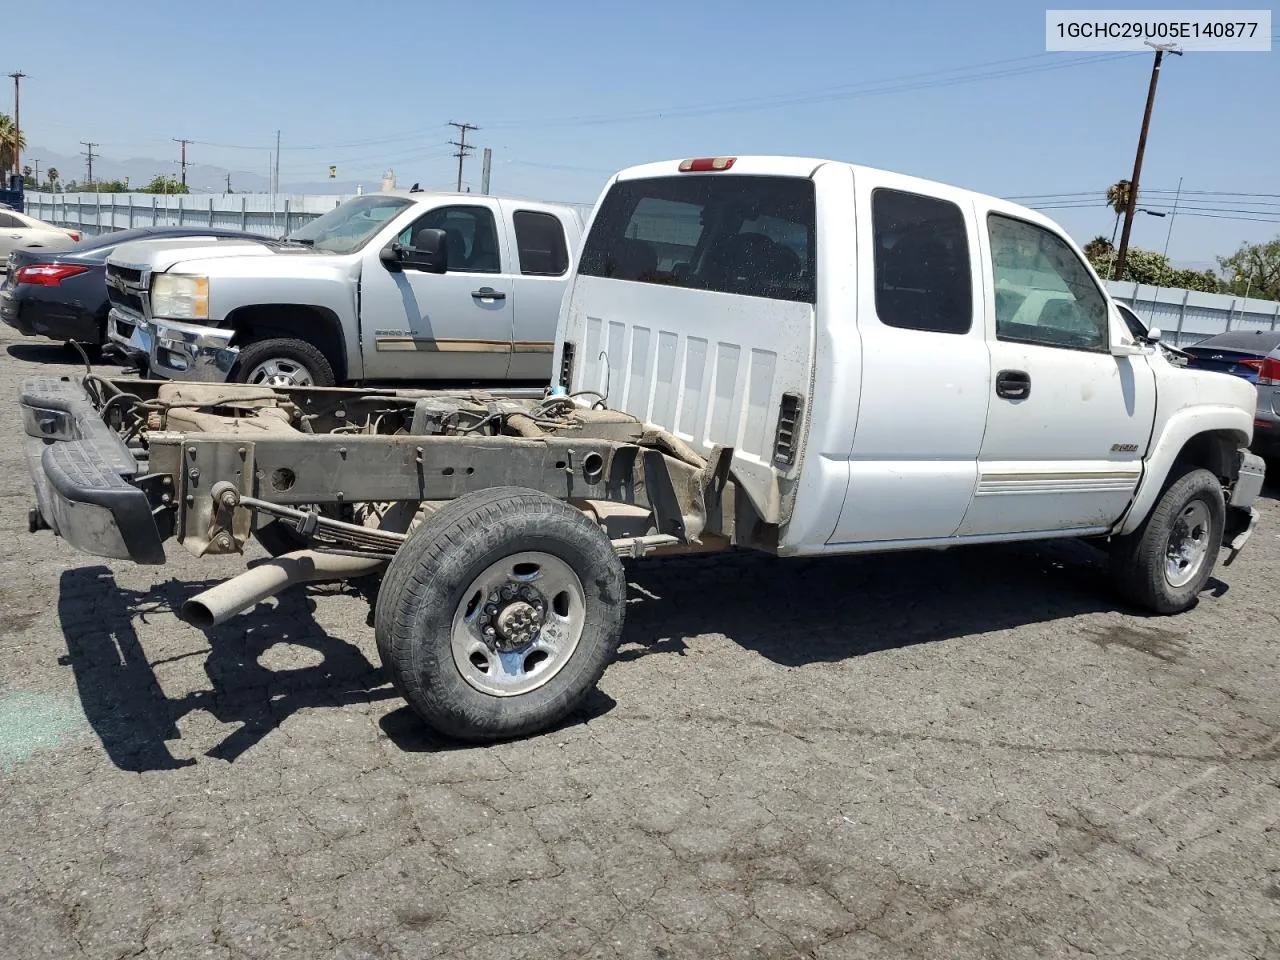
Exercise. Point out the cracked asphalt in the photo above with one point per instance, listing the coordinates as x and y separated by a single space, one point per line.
947 755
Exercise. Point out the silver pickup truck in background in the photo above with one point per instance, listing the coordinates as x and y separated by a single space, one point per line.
353 296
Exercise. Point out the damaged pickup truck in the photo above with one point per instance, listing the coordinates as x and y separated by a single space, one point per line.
797 356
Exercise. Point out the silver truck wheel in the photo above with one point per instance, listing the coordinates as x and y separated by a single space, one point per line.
1164 564
518 624
500 613
282 362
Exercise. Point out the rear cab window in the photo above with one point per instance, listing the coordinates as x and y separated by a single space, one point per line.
540 244
738 234
922 267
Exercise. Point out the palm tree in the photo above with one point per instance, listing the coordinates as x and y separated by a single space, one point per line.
8 136
1118 200
53 179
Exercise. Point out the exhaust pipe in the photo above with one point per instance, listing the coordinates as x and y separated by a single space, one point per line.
219 604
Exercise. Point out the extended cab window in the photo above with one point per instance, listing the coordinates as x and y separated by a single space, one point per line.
923 274
540 244
471 234
1044 293
746 235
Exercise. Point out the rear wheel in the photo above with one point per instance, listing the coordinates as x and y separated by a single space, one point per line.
282 362
1166 562
500 613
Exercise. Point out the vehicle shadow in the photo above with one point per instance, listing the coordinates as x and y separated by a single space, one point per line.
802 611
132 715
47 352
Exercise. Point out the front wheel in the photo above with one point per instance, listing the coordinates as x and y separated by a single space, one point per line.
282 362
500 613
1164 564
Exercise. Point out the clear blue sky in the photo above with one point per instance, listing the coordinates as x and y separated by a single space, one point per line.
333 75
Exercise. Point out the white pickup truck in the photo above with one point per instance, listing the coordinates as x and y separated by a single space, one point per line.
348 297
798 356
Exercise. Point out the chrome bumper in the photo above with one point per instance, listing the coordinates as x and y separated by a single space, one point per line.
173 350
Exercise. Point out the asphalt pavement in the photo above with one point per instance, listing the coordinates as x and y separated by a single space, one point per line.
968 754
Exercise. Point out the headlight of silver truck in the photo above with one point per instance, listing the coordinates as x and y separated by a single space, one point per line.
179 297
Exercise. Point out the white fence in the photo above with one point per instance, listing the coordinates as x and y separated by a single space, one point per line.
1187 316
95 213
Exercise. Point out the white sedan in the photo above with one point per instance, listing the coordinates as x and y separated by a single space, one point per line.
19 231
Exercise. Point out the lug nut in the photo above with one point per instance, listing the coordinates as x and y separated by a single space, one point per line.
489 631
490 609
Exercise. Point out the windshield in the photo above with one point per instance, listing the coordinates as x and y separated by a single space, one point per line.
349 227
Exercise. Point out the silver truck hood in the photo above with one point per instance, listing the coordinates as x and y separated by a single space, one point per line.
159 256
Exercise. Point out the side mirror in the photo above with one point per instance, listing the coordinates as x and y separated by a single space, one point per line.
430 252
1154 335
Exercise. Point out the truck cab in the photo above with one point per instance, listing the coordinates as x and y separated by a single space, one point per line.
348 297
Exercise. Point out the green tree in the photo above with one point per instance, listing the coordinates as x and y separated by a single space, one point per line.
1255 269
9 139
1149 267
165 184
53 178
28 180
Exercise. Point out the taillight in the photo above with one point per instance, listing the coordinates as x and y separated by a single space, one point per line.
74 235
1269 373
706 164
48 274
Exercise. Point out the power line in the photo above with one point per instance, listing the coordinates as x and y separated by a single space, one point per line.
844 92
184 159
1161 49
461 144
89 156
17 121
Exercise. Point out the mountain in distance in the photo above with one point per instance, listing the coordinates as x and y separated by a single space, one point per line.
201 177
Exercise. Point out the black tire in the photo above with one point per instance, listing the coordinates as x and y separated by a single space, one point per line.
1138 560
294 353
425 585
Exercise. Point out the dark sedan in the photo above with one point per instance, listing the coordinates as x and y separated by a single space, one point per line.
62 294
1253 355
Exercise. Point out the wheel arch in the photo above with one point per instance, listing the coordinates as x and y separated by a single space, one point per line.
317 325
1210 439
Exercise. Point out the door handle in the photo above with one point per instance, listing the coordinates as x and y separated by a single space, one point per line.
488 293
1013 384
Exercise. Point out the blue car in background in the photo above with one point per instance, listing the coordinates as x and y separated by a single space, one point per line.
62 294
1255 356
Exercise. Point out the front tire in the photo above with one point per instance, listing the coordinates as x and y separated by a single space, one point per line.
500 613
1164 564
282 362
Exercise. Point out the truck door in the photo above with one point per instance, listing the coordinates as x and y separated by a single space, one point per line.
540 278
925 366
451 326
1069 423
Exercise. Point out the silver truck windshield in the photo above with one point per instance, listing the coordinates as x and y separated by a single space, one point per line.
348 227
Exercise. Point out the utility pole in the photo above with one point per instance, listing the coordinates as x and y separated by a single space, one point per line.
183 173
35 164
461 144
275 176
89 156
228 183
17 121
484 176
1160 49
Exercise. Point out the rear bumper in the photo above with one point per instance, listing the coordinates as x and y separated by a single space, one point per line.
173 350
45 318
84 475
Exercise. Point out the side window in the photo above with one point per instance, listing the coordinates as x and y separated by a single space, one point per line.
1044 294
923 273
9 223
540 244
472 236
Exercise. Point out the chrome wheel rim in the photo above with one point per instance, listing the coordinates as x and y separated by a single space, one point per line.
1188 544
518 623
281 372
